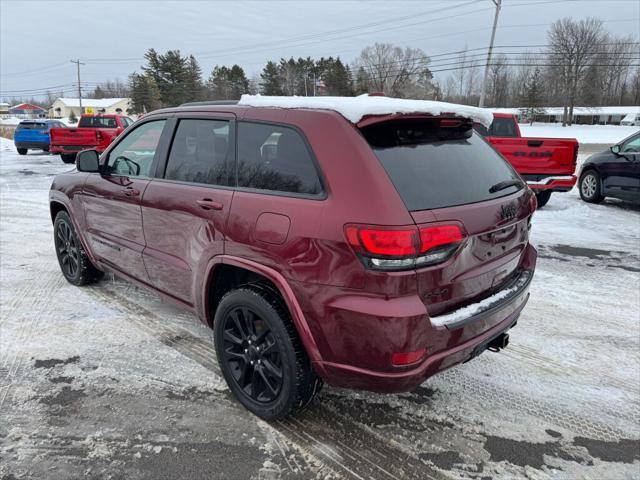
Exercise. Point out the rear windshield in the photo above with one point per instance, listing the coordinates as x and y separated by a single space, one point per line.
434 168
31 126
98 122
500 127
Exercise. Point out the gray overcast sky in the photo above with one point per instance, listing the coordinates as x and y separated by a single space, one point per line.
112 36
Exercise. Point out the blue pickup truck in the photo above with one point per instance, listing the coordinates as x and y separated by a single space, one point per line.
34 134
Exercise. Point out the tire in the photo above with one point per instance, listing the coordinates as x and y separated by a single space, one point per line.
68 157
72 258
589 187
22 151
543 197
252 325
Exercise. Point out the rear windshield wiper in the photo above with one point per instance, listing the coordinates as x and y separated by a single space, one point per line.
505 184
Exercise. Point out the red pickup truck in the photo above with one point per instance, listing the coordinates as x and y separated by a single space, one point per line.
93 131
546 164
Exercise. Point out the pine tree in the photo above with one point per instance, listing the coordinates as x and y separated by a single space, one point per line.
72 117
145 95
532 98
337 78
193 87
270 76
362 82
170 73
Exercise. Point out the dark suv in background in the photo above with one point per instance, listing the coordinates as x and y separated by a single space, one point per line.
369 254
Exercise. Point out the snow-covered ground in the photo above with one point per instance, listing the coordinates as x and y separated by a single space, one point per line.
107 381
601 134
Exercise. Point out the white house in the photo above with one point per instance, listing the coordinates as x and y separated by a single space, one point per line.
63 107
581 115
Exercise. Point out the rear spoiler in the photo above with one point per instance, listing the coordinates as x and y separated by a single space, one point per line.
446 120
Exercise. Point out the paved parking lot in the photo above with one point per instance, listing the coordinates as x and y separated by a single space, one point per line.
109 382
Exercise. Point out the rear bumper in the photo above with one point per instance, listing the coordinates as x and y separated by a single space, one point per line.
555 183
358 334
33 145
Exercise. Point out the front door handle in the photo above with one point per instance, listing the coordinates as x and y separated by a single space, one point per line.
131 192
208 204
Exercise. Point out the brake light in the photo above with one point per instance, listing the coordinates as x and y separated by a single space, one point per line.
99 136
403 248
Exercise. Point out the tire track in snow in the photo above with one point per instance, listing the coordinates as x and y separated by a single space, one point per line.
318 431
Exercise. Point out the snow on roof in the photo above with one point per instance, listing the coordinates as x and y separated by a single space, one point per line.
91 102
355 108
577 110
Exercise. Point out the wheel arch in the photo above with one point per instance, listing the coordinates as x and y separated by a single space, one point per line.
56 207
212 291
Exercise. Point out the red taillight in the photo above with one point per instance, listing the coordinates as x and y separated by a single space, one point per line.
407 358
402 248
432 237
99 136
383 242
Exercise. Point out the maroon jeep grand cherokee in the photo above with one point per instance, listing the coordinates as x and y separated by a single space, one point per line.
369 254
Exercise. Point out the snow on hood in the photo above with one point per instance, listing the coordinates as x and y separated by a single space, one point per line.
355 108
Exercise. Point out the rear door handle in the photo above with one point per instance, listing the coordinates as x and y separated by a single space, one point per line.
208 204
131 192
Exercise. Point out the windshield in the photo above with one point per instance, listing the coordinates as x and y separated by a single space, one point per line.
431 170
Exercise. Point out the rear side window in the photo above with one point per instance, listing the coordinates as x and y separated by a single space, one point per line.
434 170
97 122
202 153
275 158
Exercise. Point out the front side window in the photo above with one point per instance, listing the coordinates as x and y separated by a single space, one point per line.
276 158
201 152
133 156
632 145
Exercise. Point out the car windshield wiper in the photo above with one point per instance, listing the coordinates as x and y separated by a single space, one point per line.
505 184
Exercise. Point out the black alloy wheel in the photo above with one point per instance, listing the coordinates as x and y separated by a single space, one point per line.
67 249
260 353
252 355
74 261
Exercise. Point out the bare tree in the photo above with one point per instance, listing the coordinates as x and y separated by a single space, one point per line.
390 69
572 46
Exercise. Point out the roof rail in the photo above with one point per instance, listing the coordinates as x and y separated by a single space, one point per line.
210 102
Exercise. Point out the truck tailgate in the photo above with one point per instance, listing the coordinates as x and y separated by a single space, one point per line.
539 155
83 137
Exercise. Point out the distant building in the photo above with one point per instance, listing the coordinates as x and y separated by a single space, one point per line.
63 107
4 108
27 110
581 115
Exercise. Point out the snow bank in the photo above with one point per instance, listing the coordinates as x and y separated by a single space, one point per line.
605 134
355 108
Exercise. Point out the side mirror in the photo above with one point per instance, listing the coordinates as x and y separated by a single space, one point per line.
615 149
88 161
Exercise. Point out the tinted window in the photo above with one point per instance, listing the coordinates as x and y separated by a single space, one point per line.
201 153
503 127
500 127
433 168
272 157
133 156
98 122
31 126
632 145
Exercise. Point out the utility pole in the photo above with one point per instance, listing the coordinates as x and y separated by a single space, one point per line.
78 63
486 68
